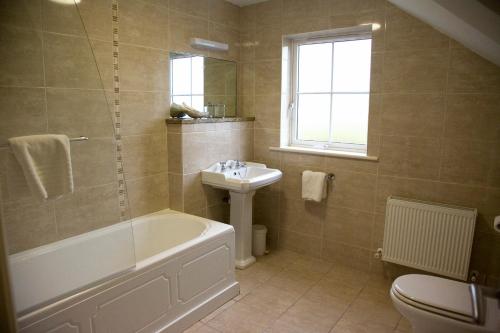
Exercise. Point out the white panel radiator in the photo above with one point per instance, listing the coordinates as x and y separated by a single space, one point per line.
432 237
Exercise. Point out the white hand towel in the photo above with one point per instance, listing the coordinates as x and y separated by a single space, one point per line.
46 164
313 185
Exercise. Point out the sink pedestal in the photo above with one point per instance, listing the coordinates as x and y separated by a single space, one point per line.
241 220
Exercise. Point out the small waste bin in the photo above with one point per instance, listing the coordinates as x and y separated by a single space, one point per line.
259 233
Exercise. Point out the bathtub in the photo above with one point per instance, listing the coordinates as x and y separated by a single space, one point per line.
180 269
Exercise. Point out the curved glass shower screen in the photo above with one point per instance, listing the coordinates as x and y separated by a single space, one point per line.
57 77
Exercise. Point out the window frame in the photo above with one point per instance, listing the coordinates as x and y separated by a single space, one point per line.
338 35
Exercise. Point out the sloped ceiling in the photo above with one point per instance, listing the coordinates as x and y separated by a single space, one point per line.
474 23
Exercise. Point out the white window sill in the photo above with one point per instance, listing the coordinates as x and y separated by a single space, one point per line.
324 152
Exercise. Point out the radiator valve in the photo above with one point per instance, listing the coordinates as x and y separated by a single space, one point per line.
378 253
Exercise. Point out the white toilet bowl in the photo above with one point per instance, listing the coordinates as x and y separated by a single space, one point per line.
437 305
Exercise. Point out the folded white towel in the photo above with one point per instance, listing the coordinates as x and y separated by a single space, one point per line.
313 185
46 164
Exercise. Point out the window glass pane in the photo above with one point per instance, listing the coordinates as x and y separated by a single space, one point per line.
181 76
198 103
315 67
182 99
197 75
350 118
313 116
351 67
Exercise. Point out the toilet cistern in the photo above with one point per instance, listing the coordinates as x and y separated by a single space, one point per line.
242 179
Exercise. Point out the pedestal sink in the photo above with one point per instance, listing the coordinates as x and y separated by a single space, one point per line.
242 180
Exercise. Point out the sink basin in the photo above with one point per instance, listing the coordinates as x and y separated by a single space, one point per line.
248 178
242 182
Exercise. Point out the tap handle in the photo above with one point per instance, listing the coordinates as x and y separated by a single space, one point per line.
222 165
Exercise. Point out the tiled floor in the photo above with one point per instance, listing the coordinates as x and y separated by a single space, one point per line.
288 292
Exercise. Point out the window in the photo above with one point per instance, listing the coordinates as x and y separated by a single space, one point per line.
187 81
330 89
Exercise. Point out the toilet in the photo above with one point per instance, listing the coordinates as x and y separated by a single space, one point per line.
437 305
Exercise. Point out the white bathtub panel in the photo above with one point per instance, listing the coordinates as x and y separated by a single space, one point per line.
147 298
194 277
56 269
150 300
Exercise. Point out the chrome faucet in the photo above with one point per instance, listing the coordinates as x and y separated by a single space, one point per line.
239 164
222 166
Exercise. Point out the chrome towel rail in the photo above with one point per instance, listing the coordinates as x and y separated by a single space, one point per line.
329 176
80 138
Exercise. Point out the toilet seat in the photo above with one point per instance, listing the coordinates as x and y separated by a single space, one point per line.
437 295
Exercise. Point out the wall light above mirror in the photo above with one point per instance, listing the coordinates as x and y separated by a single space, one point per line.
204 83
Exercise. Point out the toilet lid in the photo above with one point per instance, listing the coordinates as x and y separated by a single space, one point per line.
442 294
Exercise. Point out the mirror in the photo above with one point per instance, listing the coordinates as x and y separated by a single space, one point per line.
206 84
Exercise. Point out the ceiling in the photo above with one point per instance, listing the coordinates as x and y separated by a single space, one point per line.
243 3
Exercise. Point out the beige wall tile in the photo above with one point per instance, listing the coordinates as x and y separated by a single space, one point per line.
24 14
148 194
351 256
299 8
175 190
143 24
410 157
268 12
301 243
87 209
144 155
263 139
95 15
143 69
302 217
407 32
466 162
93 162
175 155
472 116
28 224
247 46
143 112
363 18
415 70
335 163
69 62
228 35
304 24
224 12
349 226
182 28
61 18
21 55
219 213
267 77
408 188
471 73
376 74
494 174
101 51
76 112
193 192
412 114
22 111
246 78
352 190
265 111
191 7
268 42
